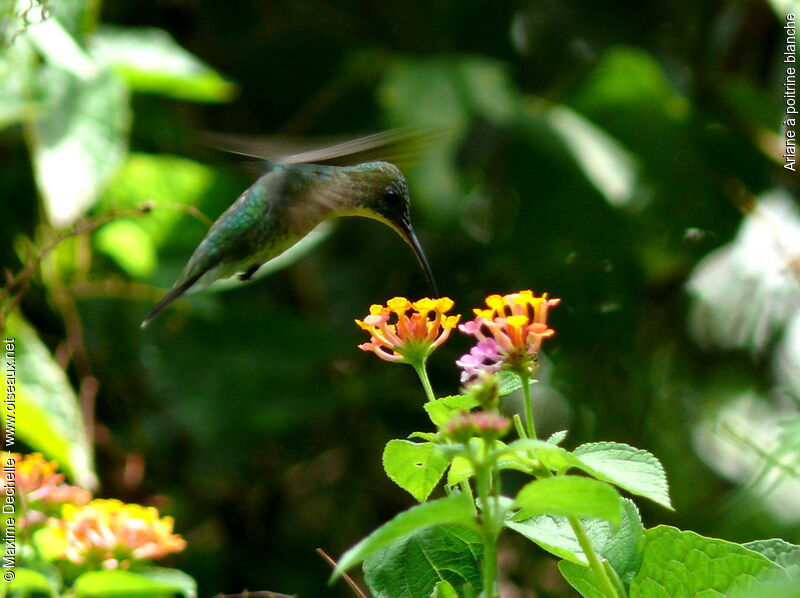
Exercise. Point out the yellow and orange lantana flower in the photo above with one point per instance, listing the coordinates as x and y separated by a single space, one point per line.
409 338
110 534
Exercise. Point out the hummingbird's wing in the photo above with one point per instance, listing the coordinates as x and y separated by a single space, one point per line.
398 146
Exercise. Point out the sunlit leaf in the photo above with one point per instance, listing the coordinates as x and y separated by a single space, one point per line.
79 141
632 469
126 584
151 61
129 245
622 547
28 582
171 183
570 496
441 411
47 416
415 467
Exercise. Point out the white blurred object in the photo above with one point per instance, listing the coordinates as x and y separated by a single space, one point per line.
746 292
741 441
787 359
606 163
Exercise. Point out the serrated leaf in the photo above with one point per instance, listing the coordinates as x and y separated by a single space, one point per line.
129 245
683 564
415 467
79 141
509 382
118 583
456 508
47 416
781 553
557 437
632 469
570 496
151 61
622 548
441 411
414 566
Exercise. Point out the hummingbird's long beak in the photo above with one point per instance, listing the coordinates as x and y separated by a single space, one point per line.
407 232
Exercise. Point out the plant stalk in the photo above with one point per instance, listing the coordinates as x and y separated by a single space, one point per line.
526 389
595 564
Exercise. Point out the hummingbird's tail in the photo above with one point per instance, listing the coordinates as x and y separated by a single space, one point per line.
173 294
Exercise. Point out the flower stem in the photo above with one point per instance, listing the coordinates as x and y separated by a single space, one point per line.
423 377
466 490
596 566
526 388
489 565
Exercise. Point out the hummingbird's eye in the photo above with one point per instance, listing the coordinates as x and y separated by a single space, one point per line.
391 195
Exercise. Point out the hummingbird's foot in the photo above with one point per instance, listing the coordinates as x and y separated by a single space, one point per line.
244 276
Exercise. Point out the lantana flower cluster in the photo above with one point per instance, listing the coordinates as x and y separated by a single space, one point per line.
40 488
110 534
509 331
398 336
97 533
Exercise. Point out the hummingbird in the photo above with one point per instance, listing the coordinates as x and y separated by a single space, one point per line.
290 198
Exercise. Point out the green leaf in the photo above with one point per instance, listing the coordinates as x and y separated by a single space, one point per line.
550 455
570 496
28 581
415 467
165 181
129 245
126 584
443 590
150 61
781 553
583 579
682 564
184 583
414 566
632 469
46 416
622 547
456 508
442 410
79 141
557 437
509 382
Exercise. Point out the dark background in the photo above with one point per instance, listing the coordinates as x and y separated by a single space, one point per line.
251 416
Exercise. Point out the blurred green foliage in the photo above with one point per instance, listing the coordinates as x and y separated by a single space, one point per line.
596 152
